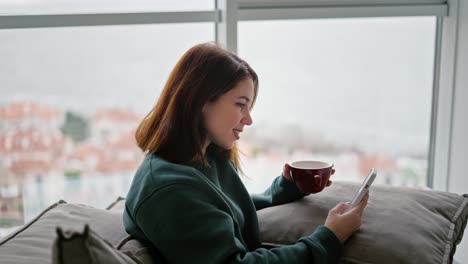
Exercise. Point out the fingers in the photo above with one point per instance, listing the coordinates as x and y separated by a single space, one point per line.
340 208
359 209
318 180
364 200
330 182
287 172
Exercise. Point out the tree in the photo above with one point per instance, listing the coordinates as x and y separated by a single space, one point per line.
76 127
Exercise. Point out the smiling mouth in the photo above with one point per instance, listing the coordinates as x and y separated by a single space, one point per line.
236 133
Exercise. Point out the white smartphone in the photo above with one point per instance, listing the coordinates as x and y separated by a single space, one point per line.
366 184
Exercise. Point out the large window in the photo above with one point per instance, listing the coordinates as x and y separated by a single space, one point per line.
71 100
353 92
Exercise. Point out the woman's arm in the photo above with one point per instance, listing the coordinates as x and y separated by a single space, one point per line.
281 191
187 225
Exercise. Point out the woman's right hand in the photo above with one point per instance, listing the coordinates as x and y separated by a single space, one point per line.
343 223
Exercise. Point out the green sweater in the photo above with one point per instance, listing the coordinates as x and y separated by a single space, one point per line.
194 215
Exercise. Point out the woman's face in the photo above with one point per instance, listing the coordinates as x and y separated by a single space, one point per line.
226 117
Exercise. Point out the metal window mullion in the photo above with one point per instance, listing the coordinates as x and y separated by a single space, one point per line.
76 20
442 143
319 3
226 27
248 14
435 100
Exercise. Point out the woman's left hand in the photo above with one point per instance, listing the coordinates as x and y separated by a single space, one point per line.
287 174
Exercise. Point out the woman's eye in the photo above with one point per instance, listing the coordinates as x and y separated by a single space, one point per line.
241 105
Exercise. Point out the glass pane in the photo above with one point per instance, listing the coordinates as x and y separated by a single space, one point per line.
71 100
93 6
353 92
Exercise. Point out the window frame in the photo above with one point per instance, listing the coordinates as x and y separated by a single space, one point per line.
228 13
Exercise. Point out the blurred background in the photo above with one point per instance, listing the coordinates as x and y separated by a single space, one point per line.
357 92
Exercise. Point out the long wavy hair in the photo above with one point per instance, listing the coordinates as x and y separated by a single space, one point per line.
174 128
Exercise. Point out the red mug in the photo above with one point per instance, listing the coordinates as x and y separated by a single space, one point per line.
303 174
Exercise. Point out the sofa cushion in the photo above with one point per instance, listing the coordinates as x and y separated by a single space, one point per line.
33 242
75 247
131 246
400 225
117 205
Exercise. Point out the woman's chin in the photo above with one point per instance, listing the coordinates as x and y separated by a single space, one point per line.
229 146
226 145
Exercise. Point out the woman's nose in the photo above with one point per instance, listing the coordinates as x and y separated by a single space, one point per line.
248 119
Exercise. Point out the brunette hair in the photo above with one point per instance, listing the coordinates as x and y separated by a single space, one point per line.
174 128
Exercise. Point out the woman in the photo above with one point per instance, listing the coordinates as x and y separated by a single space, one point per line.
187 200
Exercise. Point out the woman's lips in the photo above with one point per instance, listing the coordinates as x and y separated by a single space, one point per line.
237 133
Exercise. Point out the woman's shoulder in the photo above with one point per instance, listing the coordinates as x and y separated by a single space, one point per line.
155 175
159 171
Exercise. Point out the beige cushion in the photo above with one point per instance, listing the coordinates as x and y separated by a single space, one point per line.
117 205
400 225
137 251
33 242
75 247
131 246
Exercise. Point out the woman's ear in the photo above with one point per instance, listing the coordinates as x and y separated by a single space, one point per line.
203 110
205 107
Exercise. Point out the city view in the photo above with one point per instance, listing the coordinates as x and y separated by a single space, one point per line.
48 154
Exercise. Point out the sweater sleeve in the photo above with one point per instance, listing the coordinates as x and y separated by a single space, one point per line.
280 192
187 226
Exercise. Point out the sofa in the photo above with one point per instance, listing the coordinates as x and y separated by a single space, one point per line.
400 225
